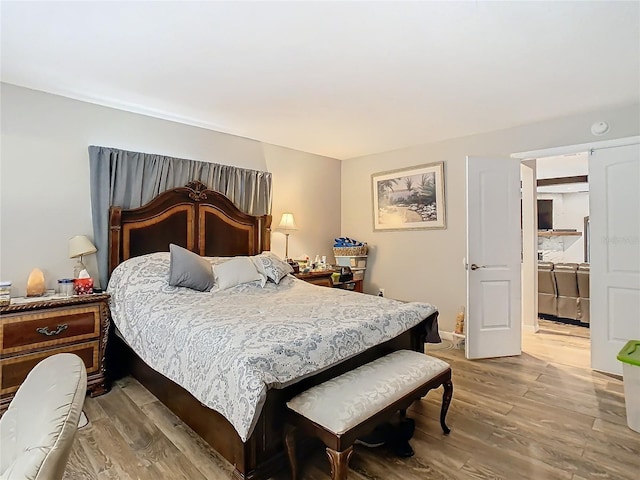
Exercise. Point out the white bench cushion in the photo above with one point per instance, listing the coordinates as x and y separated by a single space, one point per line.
342 403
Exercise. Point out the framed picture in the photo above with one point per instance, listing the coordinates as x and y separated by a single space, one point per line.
409 199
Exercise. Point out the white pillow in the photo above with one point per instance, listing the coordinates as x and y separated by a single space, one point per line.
272 266
236 271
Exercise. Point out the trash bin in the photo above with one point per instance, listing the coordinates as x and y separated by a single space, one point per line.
630 358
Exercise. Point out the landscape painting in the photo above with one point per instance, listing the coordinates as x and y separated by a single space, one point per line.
411 198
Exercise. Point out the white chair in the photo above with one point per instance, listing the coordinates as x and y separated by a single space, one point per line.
37 430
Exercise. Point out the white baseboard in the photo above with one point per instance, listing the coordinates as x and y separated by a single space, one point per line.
455 338
446 335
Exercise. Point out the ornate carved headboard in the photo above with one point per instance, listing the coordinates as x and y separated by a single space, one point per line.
201 220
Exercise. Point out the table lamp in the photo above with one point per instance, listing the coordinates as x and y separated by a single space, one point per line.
287 225
78 246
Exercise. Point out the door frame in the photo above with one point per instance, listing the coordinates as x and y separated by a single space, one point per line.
581 147
530 236
529 281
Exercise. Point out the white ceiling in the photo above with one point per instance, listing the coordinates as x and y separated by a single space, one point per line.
341 79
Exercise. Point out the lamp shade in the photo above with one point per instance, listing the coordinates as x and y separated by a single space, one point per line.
287 222
80 245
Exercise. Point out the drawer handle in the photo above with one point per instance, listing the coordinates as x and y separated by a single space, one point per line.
59 329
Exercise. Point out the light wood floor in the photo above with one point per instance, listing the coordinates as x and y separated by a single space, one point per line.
541 416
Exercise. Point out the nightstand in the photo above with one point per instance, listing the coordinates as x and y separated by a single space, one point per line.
32 331
324 280
317 278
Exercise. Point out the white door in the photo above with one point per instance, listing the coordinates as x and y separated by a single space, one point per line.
614 216
493 258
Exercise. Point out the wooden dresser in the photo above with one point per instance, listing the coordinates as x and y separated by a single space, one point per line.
30 332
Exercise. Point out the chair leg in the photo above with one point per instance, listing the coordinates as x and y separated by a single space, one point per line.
290 443
339 463
446 401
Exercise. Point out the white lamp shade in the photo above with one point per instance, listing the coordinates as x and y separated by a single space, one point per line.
80 245
287 222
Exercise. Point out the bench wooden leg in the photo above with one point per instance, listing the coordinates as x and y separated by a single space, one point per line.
290 443
446 401
339 463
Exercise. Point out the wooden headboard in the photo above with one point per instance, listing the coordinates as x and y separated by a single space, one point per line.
201 220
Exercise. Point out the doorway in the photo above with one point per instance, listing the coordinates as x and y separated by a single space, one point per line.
558 184
494 303
562 201
614 167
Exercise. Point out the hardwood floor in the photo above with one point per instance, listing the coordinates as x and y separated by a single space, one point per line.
541 416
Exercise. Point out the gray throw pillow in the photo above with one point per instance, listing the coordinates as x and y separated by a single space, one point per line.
189 270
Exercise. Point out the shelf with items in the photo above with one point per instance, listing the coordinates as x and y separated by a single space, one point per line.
358 266
559 233
352 254
353 261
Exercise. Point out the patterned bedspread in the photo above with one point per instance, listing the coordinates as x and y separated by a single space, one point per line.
229 347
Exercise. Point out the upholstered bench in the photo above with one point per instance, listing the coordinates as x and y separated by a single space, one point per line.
352 405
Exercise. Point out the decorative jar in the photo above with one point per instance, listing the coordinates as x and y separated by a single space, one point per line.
83 286
65 287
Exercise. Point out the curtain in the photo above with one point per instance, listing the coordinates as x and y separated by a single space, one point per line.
132 179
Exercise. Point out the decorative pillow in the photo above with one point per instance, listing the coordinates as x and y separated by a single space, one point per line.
273 267
236 271
188 269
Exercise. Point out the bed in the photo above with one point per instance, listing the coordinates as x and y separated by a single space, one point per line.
207 223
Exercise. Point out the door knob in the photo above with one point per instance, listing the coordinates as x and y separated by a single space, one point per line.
476 267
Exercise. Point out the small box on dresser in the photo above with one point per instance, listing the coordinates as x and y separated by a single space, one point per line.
35 330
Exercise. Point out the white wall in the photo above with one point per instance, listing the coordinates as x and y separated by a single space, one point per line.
569 210
426 265
309 187
563 166
44 177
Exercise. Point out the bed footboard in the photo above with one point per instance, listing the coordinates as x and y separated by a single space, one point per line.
263 454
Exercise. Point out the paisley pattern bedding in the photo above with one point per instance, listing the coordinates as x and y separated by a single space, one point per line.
229 347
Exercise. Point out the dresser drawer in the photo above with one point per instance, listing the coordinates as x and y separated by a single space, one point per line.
14 370
321 281
39 329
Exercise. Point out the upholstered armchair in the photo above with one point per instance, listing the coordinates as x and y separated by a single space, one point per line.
567 284
37 430
547 293
583 289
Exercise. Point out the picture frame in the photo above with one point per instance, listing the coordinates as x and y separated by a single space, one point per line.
409 198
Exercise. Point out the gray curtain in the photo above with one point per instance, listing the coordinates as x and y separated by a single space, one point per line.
132 179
